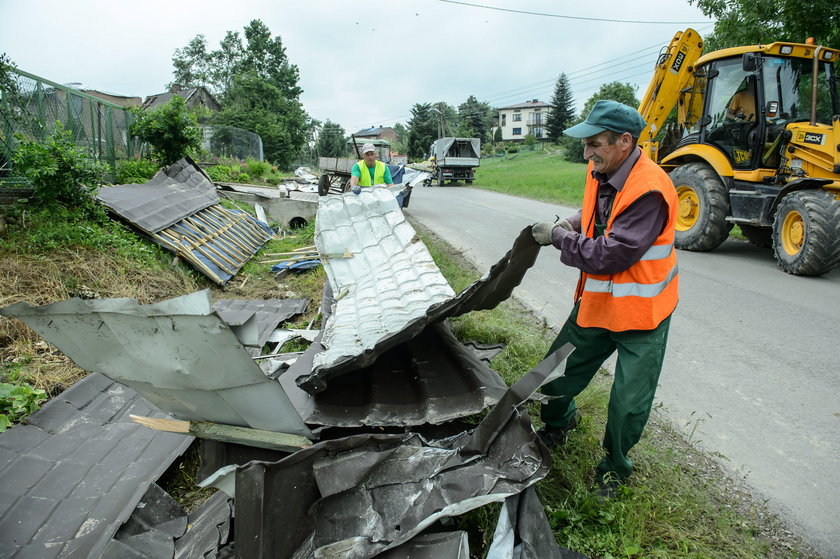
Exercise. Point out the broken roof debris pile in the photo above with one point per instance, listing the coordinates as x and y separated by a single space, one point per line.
179 209
385 357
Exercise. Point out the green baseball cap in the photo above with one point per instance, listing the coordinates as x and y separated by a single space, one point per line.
609 115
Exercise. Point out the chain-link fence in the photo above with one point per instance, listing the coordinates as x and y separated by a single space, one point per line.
229 141
31 106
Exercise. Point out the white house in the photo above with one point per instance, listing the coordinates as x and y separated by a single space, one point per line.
516 121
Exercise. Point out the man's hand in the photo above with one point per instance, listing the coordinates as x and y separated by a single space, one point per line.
565 224
541 231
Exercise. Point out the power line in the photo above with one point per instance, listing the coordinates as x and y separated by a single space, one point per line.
543 14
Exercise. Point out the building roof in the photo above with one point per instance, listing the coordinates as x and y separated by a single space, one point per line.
374 131
160 99
533 104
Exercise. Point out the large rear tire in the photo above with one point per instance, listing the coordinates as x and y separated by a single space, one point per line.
440 180
703 207
805 235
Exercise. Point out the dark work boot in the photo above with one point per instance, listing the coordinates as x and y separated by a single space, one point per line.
553 437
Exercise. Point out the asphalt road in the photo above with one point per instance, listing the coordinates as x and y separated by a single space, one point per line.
751 373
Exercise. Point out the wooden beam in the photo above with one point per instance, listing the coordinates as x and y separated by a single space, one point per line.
226 433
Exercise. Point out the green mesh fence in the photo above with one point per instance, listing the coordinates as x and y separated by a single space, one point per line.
32 106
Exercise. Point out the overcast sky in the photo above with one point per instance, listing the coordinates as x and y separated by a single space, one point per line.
362 62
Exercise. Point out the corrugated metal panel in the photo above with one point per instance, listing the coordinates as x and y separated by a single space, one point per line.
179 209
388 288
180 190
178 354
384 278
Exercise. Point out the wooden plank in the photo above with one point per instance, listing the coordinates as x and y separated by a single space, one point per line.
227 433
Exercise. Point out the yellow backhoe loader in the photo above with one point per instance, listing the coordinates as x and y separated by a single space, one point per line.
756 142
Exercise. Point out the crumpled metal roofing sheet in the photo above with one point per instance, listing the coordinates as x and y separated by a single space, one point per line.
180 190
432 379
383 277
360 495
178 354
75 472
179 208
387 287
257 318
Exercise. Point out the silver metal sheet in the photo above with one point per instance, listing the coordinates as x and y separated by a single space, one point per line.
386 286
180 190
384 278
178 354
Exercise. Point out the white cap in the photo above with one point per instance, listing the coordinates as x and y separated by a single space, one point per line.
368 147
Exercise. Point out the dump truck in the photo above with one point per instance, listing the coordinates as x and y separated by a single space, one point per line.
755 143
455 159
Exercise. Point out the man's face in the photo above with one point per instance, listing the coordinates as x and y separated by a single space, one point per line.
370 158
606 157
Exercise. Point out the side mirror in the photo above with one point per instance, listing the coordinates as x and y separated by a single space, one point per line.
749 62
772 109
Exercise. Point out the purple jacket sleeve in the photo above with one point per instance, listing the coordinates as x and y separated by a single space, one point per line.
632 234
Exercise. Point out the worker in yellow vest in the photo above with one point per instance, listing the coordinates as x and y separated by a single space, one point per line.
369 171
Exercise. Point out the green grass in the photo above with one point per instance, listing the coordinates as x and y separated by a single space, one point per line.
540 175
669 507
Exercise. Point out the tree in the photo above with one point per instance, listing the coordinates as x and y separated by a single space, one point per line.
171 130
331 140
422 130
241 72
750 22
193 64
475 118
615 91
562 109
257 105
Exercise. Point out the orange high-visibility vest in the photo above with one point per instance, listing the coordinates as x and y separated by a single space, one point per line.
640 297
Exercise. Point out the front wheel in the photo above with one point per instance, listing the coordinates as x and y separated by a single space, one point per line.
440 180
703 204
805 236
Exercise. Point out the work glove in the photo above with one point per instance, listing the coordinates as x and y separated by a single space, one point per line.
565 224
356 189
541 231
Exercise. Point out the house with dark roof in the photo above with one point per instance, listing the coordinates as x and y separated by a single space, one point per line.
194 96
377 133
517 121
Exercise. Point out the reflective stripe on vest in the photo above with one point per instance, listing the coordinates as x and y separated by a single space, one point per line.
378 173
629 289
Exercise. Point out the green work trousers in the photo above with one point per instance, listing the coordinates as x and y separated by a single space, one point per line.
640 355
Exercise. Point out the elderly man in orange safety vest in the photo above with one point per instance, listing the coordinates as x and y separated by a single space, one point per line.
622 241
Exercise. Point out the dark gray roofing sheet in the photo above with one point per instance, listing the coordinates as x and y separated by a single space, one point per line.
360 495
260 315
432 378
180 190
74 473
178 354
387 287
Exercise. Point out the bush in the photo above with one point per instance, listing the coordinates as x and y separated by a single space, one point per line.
171 131
224 173
257 169
512 148
60 171
138 171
